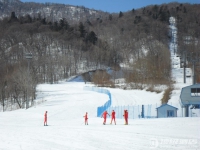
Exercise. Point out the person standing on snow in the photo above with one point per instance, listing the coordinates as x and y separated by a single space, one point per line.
45 118
86 118
126 117
113 117
104 115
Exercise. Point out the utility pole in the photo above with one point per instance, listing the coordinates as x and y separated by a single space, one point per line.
195 57
28 57
184 66
193 72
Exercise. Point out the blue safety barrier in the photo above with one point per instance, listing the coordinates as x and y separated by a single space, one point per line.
101 109
136 111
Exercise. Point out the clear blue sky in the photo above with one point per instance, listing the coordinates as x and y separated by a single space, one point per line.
113 5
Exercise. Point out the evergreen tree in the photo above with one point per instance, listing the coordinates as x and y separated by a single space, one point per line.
55 26
92 37
120 14
110 17
61 23
43 21
82 30
13 17
66 25
184 10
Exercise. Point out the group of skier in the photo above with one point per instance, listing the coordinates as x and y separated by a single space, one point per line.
104 115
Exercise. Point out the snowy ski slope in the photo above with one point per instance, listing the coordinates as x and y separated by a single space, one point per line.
67 103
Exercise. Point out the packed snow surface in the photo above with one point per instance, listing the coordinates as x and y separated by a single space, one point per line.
67 103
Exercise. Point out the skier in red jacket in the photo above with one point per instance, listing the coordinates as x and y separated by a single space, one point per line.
104 115
86 118
45 118
113 117
126 117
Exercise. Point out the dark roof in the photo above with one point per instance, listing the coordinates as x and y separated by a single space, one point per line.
166 105
194 85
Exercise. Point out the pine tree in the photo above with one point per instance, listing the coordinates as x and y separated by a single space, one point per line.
92 37
82 30
120 14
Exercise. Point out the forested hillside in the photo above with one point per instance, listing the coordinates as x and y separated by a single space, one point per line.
136 42
51 11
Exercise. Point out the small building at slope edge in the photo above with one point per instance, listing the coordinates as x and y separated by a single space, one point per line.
166 110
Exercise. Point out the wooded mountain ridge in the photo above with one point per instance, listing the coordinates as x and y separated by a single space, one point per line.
50 11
